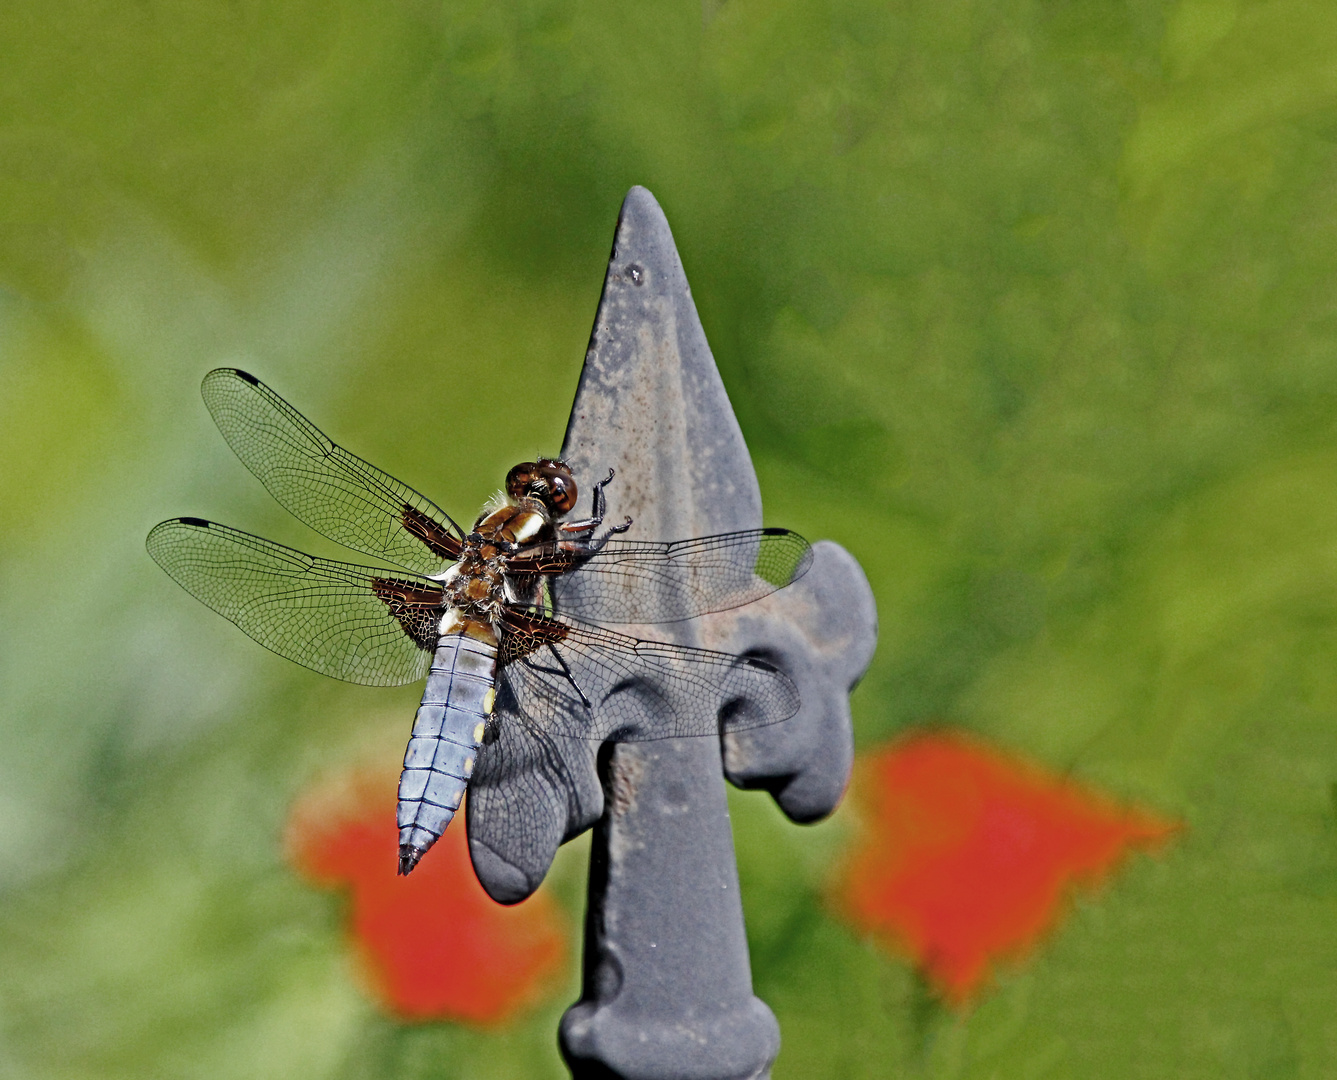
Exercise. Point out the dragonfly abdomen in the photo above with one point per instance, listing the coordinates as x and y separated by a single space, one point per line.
446 733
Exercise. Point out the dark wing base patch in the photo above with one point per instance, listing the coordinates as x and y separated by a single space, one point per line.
416 606
583 682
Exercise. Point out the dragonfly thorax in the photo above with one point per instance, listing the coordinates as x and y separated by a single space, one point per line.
476 586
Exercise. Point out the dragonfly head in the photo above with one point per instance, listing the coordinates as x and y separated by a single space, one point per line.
548 481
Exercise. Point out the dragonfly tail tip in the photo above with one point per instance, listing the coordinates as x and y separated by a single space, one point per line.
408 858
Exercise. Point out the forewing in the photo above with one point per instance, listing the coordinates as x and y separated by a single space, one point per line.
351 622
582 682
636 581
322 484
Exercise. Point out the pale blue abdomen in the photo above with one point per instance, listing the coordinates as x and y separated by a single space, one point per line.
447 730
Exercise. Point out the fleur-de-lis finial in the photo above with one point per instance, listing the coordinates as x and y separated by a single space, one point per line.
668 987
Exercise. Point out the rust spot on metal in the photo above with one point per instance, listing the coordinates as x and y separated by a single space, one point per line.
625 772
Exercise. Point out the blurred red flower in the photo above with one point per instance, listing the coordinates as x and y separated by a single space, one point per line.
968 854
433 944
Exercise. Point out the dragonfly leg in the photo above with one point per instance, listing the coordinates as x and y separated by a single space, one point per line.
561 669
599 502
596 518
613 530
589 543
491 730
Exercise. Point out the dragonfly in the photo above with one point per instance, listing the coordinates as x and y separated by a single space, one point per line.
508 620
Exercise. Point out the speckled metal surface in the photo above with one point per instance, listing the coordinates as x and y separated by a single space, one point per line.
668 990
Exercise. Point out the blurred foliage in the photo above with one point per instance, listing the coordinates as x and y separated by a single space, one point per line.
1029 303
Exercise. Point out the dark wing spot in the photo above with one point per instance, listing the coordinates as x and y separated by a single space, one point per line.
434 537
523 634
417 608
544 560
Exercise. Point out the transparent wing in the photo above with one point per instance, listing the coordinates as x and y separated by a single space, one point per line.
350 622
637 581
322 484
529 786
582 682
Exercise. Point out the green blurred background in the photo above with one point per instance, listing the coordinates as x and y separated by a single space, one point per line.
1031 304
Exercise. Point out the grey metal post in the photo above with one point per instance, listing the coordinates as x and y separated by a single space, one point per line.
668 987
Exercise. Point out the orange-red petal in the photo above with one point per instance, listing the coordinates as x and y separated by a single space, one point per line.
433 945
968 854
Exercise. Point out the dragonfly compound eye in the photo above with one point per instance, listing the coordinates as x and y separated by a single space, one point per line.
562 494
519 479
561 486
